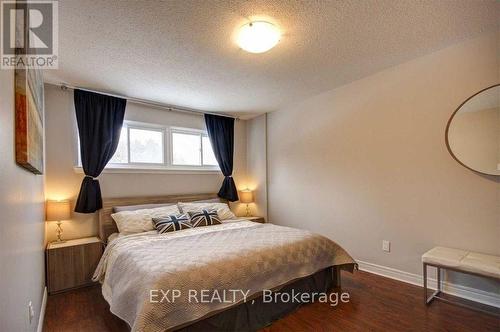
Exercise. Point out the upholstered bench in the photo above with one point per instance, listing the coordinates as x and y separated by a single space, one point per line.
458 260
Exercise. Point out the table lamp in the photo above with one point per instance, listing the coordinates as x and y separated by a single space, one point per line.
246 196
58 211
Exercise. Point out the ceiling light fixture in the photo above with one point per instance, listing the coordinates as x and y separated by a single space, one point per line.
258 36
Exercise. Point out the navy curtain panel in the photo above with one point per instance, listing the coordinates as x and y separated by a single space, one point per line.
100 120
221 133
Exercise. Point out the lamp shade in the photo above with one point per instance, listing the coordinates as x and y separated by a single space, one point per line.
246 196
58 210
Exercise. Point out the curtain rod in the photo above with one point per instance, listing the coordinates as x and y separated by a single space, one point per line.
148 102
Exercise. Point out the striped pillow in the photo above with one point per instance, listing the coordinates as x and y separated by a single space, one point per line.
204 218
172 223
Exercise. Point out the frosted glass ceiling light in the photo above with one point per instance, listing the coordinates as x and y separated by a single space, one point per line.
258 36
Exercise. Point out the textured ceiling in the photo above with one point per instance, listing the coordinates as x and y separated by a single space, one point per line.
183 52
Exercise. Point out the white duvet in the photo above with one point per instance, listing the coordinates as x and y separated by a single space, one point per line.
242 257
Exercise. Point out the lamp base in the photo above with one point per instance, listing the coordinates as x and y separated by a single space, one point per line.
58 241
59 233
248 211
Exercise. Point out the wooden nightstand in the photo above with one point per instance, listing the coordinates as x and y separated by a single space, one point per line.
261 220
71 264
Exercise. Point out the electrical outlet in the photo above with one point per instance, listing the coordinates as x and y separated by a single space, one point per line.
386 245
31 312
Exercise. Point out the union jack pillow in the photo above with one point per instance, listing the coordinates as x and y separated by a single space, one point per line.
204 218
172 223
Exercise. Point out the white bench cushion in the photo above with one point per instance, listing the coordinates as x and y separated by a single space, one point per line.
467 261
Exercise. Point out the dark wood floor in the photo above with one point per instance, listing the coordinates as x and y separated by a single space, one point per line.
376 304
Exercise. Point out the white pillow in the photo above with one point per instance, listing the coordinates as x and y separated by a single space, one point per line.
138 221
222 209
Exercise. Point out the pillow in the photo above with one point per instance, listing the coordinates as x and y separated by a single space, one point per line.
204 218
172 223
138 221
140 207
222 209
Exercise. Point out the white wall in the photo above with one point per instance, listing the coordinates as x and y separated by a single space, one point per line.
257 164
63 182
22 271
368 162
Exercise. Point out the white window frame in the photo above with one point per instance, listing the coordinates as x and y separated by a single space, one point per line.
167 166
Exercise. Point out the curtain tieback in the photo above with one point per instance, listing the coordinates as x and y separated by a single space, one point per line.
93 178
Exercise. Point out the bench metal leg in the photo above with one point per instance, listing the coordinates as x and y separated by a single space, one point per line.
438 278
428 300
425 283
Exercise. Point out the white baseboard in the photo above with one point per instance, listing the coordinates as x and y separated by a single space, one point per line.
42 311
468 293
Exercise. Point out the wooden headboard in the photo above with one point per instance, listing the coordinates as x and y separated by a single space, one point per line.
107 226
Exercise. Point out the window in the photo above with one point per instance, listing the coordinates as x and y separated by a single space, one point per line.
146 146
121 154
152 146
192 148
208 153
141 145
186 149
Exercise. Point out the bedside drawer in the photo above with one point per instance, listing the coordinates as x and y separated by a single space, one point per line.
261 220
72 266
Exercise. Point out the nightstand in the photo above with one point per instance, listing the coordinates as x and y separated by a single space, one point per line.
71 264
261 220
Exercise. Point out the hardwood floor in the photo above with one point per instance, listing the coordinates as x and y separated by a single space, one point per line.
376 304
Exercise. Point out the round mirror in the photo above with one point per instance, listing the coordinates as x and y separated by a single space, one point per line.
473 132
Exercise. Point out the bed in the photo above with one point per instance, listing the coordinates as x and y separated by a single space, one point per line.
218 277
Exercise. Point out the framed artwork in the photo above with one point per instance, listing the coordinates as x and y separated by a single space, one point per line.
29 109
29 100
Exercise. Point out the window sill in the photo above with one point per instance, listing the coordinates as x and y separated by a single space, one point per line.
153 170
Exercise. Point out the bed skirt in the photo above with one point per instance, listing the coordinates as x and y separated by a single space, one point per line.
256 313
